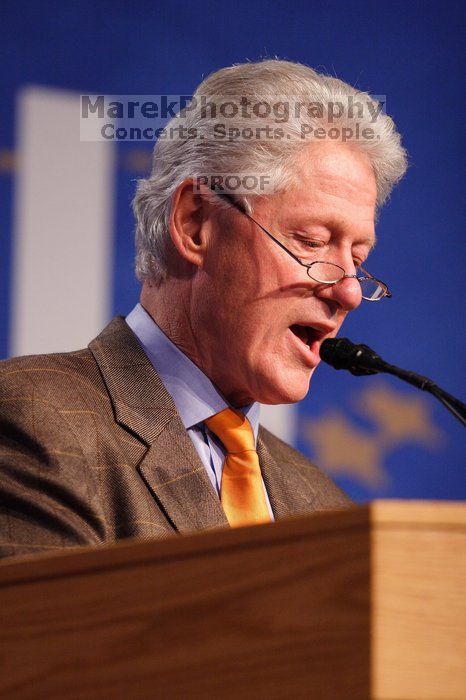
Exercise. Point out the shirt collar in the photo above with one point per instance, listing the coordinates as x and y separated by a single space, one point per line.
196 397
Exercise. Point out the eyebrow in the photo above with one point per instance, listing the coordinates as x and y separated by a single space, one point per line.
330 223
337 224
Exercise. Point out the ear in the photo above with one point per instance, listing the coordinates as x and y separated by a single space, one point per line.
188 228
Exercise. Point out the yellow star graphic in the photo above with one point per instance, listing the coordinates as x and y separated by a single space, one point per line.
400 416
341 448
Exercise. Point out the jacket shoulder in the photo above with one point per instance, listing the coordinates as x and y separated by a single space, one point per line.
67 374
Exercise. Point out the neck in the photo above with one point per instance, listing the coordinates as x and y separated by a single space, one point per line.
169 304
166 304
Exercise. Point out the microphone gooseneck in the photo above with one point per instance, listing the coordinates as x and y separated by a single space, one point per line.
360 360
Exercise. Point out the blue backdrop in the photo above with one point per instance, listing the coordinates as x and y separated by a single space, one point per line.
375 437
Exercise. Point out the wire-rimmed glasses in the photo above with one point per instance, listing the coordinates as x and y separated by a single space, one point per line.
321 271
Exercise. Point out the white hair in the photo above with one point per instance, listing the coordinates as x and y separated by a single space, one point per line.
269 82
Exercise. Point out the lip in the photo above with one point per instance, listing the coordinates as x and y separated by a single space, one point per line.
322 328
310 354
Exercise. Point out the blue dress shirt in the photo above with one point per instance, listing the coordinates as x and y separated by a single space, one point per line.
195 396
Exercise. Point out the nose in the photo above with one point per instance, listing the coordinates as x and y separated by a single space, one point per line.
346 293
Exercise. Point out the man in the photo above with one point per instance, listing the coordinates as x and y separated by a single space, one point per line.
154 428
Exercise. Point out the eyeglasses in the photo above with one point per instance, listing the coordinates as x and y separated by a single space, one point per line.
321 271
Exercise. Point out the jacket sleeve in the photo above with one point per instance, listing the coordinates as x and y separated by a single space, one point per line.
45 490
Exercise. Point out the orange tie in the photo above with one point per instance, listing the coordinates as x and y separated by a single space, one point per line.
241 493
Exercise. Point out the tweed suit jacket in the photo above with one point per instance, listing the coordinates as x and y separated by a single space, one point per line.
92 450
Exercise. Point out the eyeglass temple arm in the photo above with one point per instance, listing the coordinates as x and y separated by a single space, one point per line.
228 198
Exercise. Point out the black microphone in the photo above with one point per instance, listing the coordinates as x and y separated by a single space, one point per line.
341 353
360 360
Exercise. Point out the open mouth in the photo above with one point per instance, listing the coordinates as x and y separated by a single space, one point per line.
306 334
310 341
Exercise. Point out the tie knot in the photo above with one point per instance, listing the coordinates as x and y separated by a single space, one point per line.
233 429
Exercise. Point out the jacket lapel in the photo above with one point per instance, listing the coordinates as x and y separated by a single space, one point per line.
178 480
289 494
171 467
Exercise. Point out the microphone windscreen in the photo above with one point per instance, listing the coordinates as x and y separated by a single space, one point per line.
337 352
341 353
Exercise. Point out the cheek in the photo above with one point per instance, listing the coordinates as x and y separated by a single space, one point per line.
241 284
239 293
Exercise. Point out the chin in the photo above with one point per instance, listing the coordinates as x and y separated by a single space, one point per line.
292 387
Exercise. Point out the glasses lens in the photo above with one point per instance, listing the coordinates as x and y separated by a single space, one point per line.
372 289
325 272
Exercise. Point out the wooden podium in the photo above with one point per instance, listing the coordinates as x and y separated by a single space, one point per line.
364 603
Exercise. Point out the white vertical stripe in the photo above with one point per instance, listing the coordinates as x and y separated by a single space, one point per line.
62 251
280 420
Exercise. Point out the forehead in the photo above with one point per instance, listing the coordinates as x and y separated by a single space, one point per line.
333 182
337 170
